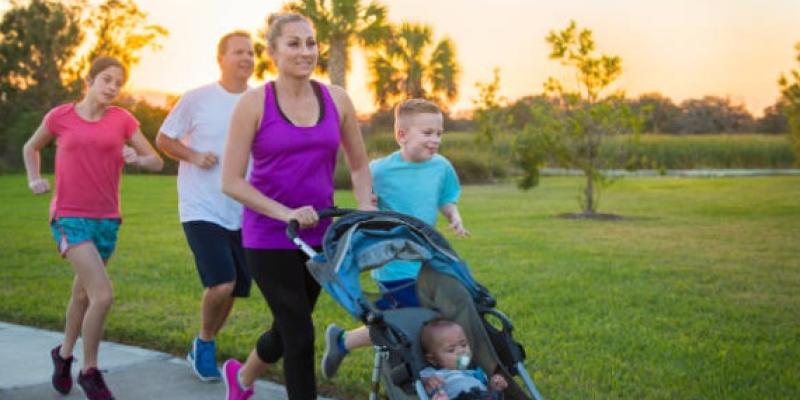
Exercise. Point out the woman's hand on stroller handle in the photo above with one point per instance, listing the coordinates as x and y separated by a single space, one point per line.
295 223
305 216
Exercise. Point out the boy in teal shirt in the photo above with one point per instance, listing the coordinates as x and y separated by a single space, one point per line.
414 180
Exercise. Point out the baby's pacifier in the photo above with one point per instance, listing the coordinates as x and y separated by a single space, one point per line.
462 362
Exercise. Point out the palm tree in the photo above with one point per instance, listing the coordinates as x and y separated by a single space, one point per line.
340 24
410 66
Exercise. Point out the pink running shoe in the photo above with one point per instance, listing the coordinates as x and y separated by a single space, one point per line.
234 389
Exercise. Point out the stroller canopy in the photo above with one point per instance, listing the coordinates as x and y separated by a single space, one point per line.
361 241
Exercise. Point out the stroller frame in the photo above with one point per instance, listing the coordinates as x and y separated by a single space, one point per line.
512 357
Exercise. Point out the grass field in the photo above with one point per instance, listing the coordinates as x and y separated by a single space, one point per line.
694 296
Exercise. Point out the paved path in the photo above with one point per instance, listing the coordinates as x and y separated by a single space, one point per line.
133 372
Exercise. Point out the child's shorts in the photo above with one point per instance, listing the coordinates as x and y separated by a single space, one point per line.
72 231
397 294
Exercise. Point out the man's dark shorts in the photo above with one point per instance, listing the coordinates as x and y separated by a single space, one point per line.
218 255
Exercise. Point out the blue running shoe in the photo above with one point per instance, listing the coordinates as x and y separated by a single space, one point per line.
203 359
334 352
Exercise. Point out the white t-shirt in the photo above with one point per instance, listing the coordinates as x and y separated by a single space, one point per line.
200 120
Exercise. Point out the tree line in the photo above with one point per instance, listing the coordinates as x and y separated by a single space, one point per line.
709 114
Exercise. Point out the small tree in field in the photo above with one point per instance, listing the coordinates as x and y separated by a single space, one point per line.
790 90
573 126
491 116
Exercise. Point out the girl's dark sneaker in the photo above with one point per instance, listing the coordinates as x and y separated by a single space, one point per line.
93 385
62 371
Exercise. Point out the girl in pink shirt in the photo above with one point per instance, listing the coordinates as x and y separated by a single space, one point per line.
94 139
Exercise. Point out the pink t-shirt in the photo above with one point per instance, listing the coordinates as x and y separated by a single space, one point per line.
88 161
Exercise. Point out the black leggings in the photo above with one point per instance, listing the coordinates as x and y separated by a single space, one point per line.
291 293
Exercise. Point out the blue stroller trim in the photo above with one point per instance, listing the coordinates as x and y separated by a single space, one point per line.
365 240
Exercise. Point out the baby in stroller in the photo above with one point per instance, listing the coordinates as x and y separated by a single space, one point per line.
451 375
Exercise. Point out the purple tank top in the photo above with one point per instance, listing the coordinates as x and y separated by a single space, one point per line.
294 166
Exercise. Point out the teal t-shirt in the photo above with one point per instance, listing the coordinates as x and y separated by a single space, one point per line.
418 189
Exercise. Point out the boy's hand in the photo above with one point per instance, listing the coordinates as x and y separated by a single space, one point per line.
459 229
372 206
498 382
39 186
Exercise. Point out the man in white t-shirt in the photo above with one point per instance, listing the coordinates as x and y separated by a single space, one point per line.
194 133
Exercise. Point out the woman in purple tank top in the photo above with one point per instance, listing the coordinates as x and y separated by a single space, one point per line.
292 128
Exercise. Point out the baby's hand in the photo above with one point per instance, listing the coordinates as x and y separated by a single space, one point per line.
498 382
459 229
433 385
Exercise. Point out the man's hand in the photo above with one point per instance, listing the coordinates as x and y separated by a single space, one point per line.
205 159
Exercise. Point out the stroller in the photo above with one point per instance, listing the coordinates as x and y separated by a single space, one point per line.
360 241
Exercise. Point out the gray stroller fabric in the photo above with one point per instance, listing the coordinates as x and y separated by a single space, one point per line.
399 333
378 254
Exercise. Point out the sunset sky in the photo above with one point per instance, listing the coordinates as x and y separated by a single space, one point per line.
680 48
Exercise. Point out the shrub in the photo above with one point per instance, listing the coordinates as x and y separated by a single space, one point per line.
716 151
475 167
16 134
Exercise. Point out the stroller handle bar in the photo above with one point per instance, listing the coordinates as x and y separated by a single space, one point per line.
294 226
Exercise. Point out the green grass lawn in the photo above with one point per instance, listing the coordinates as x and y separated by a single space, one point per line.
695 296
